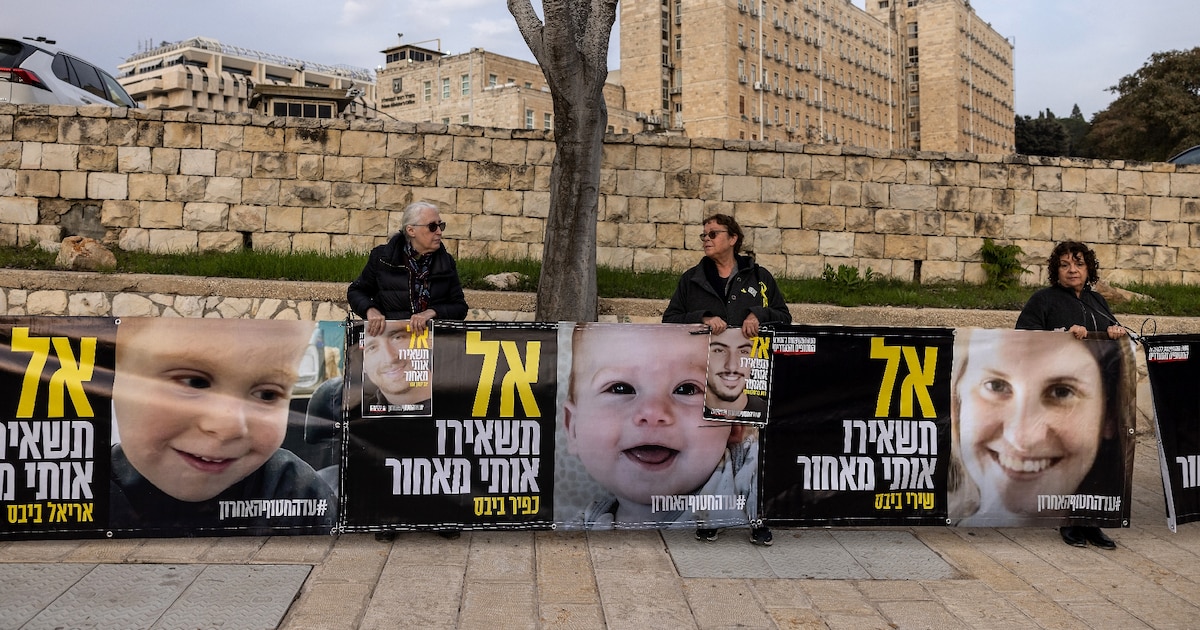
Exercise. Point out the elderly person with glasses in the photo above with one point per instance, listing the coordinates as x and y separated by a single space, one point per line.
410 277
728 290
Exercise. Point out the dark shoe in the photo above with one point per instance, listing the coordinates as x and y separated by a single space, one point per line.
385 536
1097 537
761 536
1073 536
450 534
707 535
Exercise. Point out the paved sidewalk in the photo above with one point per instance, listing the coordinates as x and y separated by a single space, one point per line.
811 578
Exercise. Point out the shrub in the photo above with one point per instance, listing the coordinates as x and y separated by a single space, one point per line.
1001 264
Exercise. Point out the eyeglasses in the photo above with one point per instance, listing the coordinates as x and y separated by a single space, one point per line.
435 226
711 234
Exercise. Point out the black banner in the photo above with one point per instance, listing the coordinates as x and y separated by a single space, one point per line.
862 435
1174 375
484 460
55 415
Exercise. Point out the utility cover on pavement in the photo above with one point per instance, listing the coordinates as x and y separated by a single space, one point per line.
129 596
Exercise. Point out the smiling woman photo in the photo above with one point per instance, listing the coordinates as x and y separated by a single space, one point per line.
1042 415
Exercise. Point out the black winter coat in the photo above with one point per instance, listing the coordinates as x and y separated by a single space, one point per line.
383 284
1056 308
752 289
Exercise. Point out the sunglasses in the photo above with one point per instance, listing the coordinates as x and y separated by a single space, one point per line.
435 226
711 234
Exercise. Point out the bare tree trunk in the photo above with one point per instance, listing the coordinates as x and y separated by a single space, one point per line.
572 49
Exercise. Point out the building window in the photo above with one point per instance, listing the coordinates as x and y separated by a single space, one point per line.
912 29
529 119
546 122
446 121
466 84
397 85
678 43
913 55
528 85
492 80
427 90
302 110
445 87
465 119
883 4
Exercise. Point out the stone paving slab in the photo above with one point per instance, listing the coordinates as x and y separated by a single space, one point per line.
809 554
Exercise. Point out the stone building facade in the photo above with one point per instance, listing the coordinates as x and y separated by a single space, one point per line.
957 77
478 88
173 181
821 71
205 75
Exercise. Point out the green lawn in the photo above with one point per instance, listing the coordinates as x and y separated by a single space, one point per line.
837 289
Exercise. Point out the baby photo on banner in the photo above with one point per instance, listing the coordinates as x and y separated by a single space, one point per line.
55 416
1174 375
201 411
859 430
1042 427
634 448
468 445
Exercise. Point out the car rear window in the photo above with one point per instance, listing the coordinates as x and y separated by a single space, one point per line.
13 52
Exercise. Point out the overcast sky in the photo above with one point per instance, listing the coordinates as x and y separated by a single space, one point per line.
1067 51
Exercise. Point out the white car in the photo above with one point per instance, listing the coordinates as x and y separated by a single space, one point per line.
37 71
1190 156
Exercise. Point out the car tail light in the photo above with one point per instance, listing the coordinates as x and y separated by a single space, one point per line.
21 75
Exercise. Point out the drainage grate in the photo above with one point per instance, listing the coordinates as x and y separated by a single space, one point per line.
123 596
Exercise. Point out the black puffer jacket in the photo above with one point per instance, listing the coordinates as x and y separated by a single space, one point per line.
1056 308
752 289
383 284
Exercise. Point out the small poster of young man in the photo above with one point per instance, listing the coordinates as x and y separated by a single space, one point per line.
738 377
398 372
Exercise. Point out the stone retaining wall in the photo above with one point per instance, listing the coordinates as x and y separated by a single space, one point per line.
178 181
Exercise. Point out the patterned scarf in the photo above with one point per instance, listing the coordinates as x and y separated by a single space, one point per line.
418 277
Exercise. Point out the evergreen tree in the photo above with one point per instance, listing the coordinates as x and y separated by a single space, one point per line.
1156 113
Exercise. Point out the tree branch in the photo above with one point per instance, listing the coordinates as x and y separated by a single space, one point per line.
599 30
531 27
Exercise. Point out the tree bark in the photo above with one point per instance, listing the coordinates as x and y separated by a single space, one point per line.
572 48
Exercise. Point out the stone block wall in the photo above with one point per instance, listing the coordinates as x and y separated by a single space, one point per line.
181 182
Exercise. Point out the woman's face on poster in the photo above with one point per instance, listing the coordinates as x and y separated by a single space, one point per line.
1031 416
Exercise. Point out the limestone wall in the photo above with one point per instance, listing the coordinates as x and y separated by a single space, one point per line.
175 181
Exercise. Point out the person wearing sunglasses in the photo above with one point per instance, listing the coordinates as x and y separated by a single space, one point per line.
411 277
728 290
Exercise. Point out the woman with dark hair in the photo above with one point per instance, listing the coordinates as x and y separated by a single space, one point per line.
1071 304
727 290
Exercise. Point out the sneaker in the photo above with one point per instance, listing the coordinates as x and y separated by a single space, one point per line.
707 535
761 536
